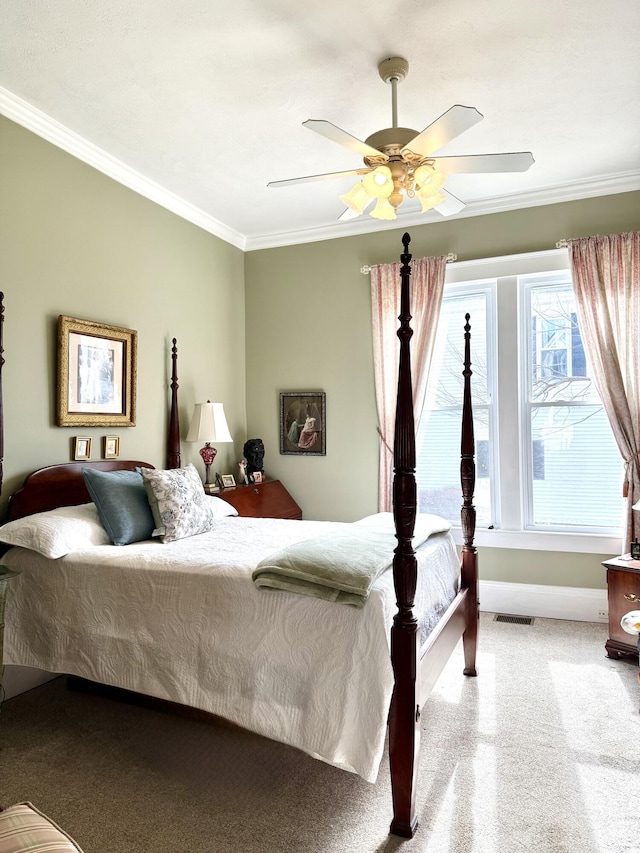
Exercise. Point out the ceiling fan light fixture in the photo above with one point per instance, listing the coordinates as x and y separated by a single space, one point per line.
356 199
429 201
379 182
428 180
383 210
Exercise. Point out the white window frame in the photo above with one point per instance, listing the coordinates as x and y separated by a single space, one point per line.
511 514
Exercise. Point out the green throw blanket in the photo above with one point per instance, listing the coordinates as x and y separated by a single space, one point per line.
341 566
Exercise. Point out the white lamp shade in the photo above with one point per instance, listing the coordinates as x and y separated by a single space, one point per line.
636 506
208 423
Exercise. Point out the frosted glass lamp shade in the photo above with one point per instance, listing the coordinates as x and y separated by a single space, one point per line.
379 183
356 199
383 210
208 423
427 202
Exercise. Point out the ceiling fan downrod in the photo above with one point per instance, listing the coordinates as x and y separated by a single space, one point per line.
393 70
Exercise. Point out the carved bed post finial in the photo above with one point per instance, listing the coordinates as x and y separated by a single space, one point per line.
468 568
404 725
173 439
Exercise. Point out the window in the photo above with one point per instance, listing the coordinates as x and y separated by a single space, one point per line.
546 460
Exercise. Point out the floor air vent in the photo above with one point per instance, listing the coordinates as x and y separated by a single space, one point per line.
514 620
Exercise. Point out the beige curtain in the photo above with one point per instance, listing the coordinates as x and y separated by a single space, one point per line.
427 283
606 280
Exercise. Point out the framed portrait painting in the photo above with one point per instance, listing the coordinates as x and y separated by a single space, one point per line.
96 374
302 423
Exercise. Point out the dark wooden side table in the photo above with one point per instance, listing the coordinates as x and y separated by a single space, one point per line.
623 591
5 576
268 499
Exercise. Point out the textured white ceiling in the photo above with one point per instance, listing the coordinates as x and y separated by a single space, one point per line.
207 98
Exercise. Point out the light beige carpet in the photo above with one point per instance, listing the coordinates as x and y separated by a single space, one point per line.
540 753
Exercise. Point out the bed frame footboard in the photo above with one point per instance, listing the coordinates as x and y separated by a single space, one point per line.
417 669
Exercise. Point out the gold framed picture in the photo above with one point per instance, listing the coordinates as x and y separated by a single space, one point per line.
111 446
228 480
81 448
96 374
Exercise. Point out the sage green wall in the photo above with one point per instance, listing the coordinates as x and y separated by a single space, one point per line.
308 327
73 241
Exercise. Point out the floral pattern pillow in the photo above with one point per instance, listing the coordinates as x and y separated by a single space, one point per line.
178 502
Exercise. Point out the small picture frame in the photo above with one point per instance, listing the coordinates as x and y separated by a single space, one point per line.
81 448
635 550
257 476
111 446
228 480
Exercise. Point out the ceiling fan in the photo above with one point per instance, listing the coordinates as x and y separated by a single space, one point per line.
399 161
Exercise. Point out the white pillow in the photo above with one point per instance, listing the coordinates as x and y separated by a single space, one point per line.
58 531
220 507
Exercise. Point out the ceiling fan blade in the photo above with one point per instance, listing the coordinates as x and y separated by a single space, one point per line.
450 205
518 161
455 121
326 177
336 134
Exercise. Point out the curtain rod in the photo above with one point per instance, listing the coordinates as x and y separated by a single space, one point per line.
451 258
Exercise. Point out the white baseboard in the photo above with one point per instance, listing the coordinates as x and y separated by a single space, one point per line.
19 679
551 602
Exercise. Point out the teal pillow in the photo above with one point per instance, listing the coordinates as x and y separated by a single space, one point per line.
122 504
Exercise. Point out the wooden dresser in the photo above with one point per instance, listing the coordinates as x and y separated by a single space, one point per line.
262 500
623 591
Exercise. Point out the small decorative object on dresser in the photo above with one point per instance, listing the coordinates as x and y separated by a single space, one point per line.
302 423
623 591
81 448
111 447
228 481
256 477
243 479
254 454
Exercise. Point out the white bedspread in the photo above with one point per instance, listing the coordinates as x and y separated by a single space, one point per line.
183 621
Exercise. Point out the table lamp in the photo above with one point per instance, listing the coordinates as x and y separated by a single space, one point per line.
208 424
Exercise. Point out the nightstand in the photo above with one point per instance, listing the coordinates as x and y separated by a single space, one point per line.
623 590
269 499
5 576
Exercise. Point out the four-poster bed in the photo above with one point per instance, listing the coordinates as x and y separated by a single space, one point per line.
419 650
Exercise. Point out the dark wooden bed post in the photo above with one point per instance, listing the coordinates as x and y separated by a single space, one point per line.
173 438
1 395
404 720
469 555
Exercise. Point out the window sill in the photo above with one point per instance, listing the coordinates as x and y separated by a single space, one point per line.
576 543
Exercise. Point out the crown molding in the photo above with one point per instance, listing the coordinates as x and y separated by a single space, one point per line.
47 128
52 131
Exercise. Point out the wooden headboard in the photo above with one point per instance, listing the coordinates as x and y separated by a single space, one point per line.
61 485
